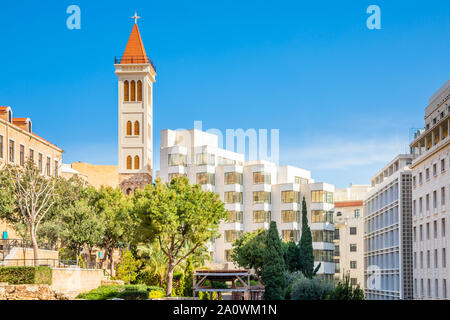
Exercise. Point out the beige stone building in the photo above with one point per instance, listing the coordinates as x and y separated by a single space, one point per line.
95 175
348 238
18 143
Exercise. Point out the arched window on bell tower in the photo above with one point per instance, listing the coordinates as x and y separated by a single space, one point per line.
136 163
129 162
133 90
126 91
139 90
136 128
129 133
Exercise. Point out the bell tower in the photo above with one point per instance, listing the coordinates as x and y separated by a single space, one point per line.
136 73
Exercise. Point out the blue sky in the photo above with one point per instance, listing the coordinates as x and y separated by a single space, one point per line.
343 97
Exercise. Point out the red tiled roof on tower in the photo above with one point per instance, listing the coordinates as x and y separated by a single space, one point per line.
134 52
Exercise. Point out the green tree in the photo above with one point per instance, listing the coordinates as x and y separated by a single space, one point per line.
128 267
155 261
115 210
26 197
292 257
313 288
345 291
273 270
306 248
175 214
188 278
249 250
80 226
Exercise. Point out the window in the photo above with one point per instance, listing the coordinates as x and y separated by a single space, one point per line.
129 129
336 234
353 281
232 235
435 258
444 259
177 159
415 260
40 164
420 177
428 231
421 287
1 146
414 207
353 247
290 196
129 163
31 154
352 264
414 234
300 180
233 197
133 90
136 128
428 258
261 177
427 202
321 196
56 169
320 216
444 288
421 259
420 205
443 196
322 236
434 199
336 250
261 197
139 90
434 169
206 178
414 181
323 255
352 230
260 216
290 235
442 165
288 216
47 167
228 256
22 155
235 216
443 227
233 178
357 213
429 288
136 162
427 173
205 159
435 227
420 233
126 91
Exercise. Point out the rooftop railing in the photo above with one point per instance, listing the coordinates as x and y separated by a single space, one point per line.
134 59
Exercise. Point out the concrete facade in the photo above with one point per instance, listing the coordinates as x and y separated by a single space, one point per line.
254 192
431 200
349 232
388 232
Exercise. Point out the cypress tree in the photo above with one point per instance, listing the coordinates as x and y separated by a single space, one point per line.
273 269
188 278
306 248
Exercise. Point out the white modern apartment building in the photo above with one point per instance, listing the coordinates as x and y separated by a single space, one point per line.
388 232
431 200
349 233
254 192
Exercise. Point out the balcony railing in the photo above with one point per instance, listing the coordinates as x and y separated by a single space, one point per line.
134 59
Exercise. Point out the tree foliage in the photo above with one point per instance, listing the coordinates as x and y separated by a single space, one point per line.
249 250
175 214
313 288
273 268
292 256
345 291
306 248
127 269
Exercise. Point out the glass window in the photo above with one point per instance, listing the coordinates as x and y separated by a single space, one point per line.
260 216
40 164
261 177
353 230
322 236
290 196
320 216
1 146
352 264
288 216
320 196
233 178
353 247
47 167
228 256
22 155
323 255
261 197
300 180
357 213
233 197
290 235
205 159
177 159
232 235
206 178
235 216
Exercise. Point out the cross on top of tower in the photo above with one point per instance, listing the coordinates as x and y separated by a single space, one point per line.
135 17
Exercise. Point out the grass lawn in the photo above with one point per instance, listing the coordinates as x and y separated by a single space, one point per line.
127 292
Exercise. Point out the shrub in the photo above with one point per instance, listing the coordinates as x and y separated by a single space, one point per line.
345 291
310 289
127 292
26 275
155 294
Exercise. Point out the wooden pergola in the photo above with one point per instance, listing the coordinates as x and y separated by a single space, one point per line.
242 276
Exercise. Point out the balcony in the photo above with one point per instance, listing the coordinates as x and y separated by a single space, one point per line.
134 60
